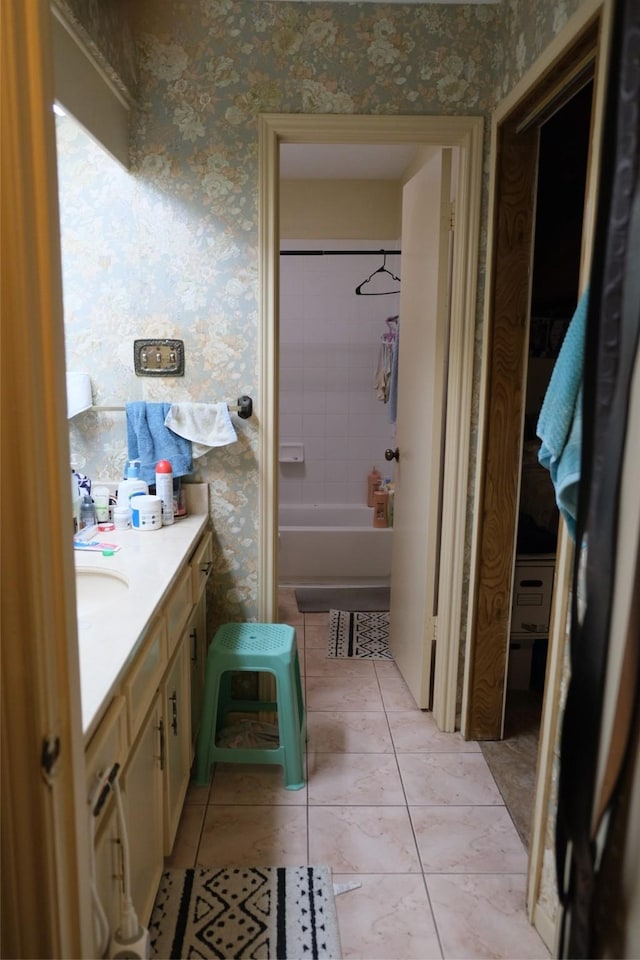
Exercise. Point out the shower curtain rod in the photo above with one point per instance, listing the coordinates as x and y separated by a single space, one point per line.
333 253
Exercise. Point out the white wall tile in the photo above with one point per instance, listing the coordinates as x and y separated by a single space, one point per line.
329 348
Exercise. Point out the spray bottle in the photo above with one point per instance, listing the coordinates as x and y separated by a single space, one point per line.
164 489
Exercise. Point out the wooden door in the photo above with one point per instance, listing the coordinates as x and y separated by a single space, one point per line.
426 211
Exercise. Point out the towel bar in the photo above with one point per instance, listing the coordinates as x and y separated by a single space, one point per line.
243 407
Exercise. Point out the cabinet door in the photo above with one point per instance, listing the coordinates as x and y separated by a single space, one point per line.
108 876
201 564
198 652
143 810
177 725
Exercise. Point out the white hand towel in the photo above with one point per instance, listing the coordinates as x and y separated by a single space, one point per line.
78 393
207 425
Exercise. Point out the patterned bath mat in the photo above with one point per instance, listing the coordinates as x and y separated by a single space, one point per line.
362 635
261 913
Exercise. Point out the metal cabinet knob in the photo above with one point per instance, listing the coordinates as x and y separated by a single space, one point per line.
390 454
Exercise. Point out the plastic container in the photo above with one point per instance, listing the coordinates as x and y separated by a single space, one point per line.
164 489
374 480
75 502
121 517
380 501
101 500
146 512
87 513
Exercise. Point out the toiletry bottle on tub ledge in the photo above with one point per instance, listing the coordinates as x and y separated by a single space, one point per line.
380 501
373 483
164 489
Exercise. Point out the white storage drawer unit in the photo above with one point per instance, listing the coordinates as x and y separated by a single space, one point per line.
532 591
530 614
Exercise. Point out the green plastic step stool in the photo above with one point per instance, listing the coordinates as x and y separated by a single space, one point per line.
254 647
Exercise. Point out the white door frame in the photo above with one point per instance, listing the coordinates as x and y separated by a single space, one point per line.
466 133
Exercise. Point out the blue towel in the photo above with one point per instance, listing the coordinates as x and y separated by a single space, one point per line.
560 421
149 440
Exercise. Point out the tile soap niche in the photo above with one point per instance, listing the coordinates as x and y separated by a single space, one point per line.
291 453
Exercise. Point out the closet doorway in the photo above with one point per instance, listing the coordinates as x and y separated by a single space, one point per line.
426 132
560 192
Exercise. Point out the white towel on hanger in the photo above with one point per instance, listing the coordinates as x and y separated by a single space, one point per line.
383 372
207 425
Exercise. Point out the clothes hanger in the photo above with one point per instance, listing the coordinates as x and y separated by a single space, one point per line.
382 269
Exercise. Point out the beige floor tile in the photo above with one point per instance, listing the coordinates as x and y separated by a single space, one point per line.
346 694
445 778
288 608
388 916
252 784
344 779
363 839
417 732
316 619
348 732
316 636
467 840
318 664
246 836
484 916
197 794
185 845
388 669
396 694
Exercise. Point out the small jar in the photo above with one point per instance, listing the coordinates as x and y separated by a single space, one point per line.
121 517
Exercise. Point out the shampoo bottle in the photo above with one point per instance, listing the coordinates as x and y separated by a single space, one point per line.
164 489
373 482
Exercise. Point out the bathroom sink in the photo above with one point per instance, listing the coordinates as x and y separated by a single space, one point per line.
97 589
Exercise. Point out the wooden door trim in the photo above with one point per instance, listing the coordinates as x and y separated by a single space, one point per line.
46 902
517 159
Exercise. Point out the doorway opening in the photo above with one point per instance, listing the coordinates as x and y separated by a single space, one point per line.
464 133
559 205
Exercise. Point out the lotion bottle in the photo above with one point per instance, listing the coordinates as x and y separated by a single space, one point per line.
164 489
132 483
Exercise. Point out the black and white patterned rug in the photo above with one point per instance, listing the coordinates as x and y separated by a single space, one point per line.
362 635
245 913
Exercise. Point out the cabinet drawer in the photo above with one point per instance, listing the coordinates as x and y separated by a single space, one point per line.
201 563
178 609
109 743
145 675
532 592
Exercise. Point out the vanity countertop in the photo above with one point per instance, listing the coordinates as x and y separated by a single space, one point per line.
110 631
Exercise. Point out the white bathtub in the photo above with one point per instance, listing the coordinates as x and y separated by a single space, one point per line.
332 543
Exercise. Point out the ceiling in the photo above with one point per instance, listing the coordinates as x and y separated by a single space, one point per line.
342 161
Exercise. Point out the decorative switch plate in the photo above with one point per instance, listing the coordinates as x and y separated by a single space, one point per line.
158 358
